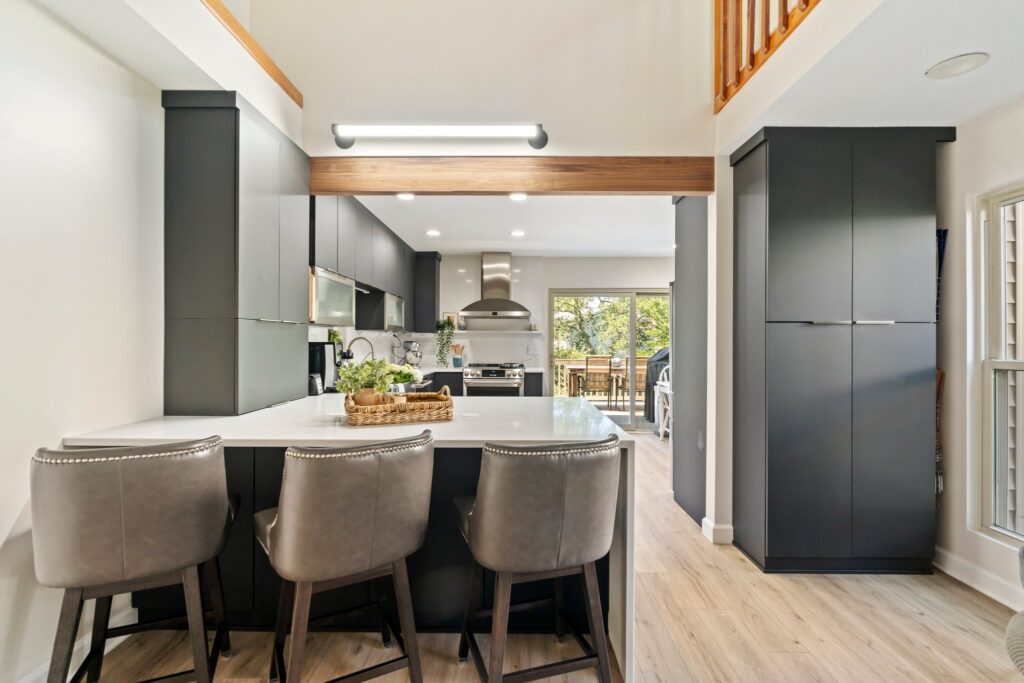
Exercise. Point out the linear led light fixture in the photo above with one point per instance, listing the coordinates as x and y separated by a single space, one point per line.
345 134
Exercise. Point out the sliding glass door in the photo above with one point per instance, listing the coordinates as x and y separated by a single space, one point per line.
601 345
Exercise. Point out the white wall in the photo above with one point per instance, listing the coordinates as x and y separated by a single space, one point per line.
603 76
81 271
987 156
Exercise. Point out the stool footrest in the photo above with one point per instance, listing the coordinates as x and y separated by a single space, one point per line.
366 674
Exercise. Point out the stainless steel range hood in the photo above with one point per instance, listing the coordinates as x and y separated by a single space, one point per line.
495 310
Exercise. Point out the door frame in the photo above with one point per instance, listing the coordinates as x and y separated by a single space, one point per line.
632 293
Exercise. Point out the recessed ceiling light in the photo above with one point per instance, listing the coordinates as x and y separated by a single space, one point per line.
433 233
461 270
517 196
406 196
517 233
517 270
673 246
957 66
469 281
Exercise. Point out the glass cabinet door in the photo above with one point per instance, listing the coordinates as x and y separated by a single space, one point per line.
394 312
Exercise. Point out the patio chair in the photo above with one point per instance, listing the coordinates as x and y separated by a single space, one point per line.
597 377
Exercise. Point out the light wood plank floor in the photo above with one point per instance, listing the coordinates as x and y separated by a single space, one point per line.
704 613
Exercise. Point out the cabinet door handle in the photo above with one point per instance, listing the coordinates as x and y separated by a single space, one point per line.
831 322
874 322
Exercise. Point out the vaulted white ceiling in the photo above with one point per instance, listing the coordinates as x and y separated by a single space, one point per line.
603 76
554 226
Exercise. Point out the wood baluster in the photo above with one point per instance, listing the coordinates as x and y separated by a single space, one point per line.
783 16
720 68
803 4
737 41
751 7
766 28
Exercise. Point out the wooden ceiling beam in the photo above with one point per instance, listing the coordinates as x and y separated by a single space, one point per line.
500 175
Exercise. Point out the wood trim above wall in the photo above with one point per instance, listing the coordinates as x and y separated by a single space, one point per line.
224 15
500 175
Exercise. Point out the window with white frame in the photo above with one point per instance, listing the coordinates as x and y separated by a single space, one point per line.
1003 217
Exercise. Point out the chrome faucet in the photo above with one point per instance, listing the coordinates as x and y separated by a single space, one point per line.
348 349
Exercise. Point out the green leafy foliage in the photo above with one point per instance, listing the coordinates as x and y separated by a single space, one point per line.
371 374
598 325
445 330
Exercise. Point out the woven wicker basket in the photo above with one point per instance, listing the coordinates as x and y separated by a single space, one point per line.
428 406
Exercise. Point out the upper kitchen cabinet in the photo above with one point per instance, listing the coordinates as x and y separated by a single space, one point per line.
383 256
426 291
363 271
809 240
325 245
294 235
236 237
259 220
894 230
350 214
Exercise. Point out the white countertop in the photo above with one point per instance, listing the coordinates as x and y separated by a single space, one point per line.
320 421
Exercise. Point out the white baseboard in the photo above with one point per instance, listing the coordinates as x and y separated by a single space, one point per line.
719 534
1008 593
122 618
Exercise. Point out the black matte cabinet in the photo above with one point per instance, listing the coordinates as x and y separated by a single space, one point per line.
426 292
236 257
834 349
689 357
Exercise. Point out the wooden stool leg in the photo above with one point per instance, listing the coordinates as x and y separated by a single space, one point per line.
284 614
472 600
196 623
559 607
100 621
406 619
215 588
300 626
67 629
385 632
499 626
596 621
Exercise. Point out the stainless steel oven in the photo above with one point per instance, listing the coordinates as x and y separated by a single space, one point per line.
493 379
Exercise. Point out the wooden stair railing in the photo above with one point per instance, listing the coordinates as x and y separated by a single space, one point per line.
747 33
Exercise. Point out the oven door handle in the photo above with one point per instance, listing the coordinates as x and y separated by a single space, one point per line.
503 383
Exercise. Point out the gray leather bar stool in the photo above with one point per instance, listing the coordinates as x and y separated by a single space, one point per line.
346 516
540 513
115 520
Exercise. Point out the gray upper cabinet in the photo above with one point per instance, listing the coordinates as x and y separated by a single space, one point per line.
894 230
810 240
349 216
382 250
258 220
326 233
294 231
364 249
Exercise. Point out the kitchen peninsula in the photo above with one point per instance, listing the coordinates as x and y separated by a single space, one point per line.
254 447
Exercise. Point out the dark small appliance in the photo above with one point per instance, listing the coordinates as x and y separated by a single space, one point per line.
323 362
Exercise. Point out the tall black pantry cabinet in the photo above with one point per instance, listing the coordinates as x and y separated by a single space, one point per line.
834 348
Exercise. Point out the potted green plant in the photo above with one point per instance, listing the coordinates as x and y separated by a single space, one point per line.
445 329
366 382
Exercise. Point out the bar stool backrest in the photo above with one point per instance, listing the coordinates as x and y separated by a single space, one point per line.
343 511
106 515
540 508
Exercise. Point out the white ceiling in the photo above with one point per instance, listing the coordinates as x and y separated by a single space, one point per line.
603 76
875 75
554 226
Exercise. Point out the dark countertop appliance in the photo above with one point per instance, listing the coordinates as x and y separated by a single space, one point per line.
323 363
